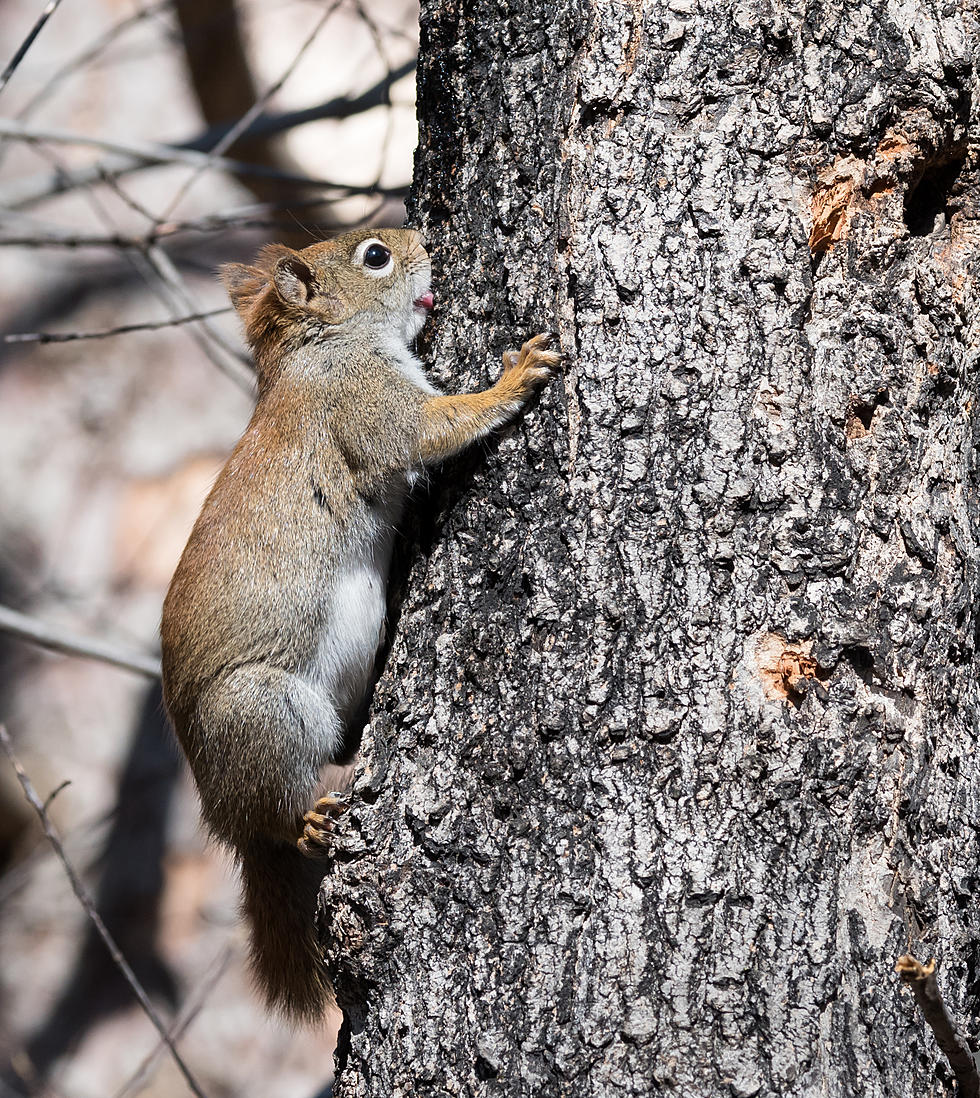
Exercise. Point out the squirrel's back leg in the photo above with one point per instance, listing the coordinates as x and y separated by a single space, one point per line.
259 741
260 738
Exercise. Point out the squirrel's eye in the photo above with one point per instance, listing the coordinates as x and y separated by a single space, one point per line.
376 256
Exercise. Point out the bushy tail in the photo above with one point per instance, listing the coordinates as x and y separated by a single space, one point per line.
280 887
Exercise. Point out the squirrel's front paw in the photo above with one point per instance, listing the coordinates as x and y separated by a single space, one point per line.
318 825
532 365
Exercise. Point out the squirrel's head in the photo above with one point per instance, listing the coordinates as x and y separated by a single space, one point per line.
370 278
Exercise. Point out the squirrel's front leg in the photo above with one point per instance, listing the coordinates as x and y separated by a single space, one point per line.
451 423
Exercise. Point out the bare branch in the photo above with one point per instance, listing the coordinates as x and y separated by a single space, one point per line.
165 280
151 263
379 44
49 9
38 188
238 366
150 152
922 980
90 54
243 123
86 901
141 1077
257 215
263 125
269 125
63 640
106 333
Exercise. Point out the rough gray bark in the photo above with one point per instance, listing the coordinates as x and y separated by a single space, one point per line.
675 750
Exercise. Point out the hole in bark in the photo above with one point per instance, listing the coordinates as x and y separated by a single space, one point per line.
369 795
929 199
860 414
599 108
945 388
861 660
484 1069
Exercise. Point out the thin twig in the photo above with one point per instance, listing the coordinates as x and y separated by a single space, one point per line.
39 188
257 215
235 132
139 1080
151 152
170 289
148 153
263 125
49 9
338 108
63 640
922 979
64 238
89 907
60 787
105 333
165 281
239 365
89 54
379 44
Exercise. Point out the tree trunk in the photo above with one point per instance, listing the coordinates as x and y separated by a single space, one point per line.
674 752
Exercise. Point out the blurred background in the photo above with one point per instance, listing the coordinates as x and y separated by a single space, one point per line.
122 187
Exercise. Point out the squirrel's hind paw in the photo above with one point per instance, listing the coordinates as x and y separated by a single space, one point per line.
318 825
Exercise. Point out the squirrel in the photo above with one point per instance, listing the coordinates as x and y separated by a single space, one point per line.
276 611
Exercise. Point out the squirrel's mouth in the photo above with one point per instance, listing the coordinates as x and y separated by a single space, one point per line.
425 302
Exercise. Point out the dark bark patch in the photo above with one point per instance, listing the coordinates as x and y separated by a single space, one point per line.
484 1069
863 662
599 110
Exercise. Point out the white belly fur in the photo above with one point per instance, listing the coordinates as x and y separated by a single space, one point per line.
353 624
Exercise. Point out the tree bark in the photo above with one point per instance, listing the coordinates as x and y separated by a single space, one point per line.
674 753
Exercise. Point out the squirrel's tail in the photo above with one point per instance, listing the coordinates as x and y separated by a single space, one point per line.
280 887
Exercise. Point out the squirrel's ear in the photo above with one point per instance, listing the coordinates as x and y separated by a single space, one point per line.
242 283
293 279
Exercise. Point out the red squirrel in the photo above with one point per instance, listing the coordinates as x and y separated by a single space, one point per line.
276 611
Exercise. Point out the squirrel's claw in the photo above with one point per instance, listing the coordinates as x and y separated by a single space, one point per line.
318 824
534 362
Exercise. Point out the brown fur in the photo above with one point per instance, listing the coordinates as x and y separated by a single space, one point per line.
297 524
